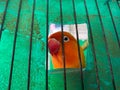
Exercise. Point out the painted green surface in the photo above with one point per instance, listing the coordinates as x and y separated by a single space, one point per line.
56 79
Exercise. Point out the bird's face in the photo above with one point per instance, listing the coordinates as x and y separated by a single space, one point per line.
70 50
55 42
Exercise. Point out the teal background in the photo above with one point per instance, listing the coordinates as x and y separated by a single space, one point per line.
56 80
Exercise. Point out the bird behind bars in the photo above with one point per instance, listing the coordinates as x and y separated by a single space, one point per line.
70 50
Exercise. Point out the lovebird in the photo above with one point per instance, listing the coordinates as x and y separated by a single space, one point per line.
70 51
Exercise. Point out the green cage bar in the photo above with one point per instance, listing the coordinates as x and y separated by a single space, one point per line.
29 68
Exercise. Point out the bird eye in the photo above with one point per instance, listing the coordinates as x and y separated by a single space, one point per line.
66 39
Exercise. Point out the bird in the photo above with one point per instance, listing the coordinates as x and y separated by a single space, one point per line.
70 50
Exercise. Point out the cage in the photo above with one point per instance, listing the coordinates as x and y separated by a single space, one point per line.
24 29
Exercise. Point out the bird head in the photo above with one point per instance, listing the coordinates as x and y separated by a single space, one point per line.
55 41
70 50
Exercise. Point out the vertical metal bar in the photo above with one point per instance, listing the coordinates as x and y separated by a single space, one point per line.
79 53
30 48
3 19
118 3
14 45
47 29
113 24
93 47
106 45
63 52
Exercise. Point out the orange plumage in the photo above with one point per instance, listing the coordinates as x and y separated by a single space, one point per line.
70 50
